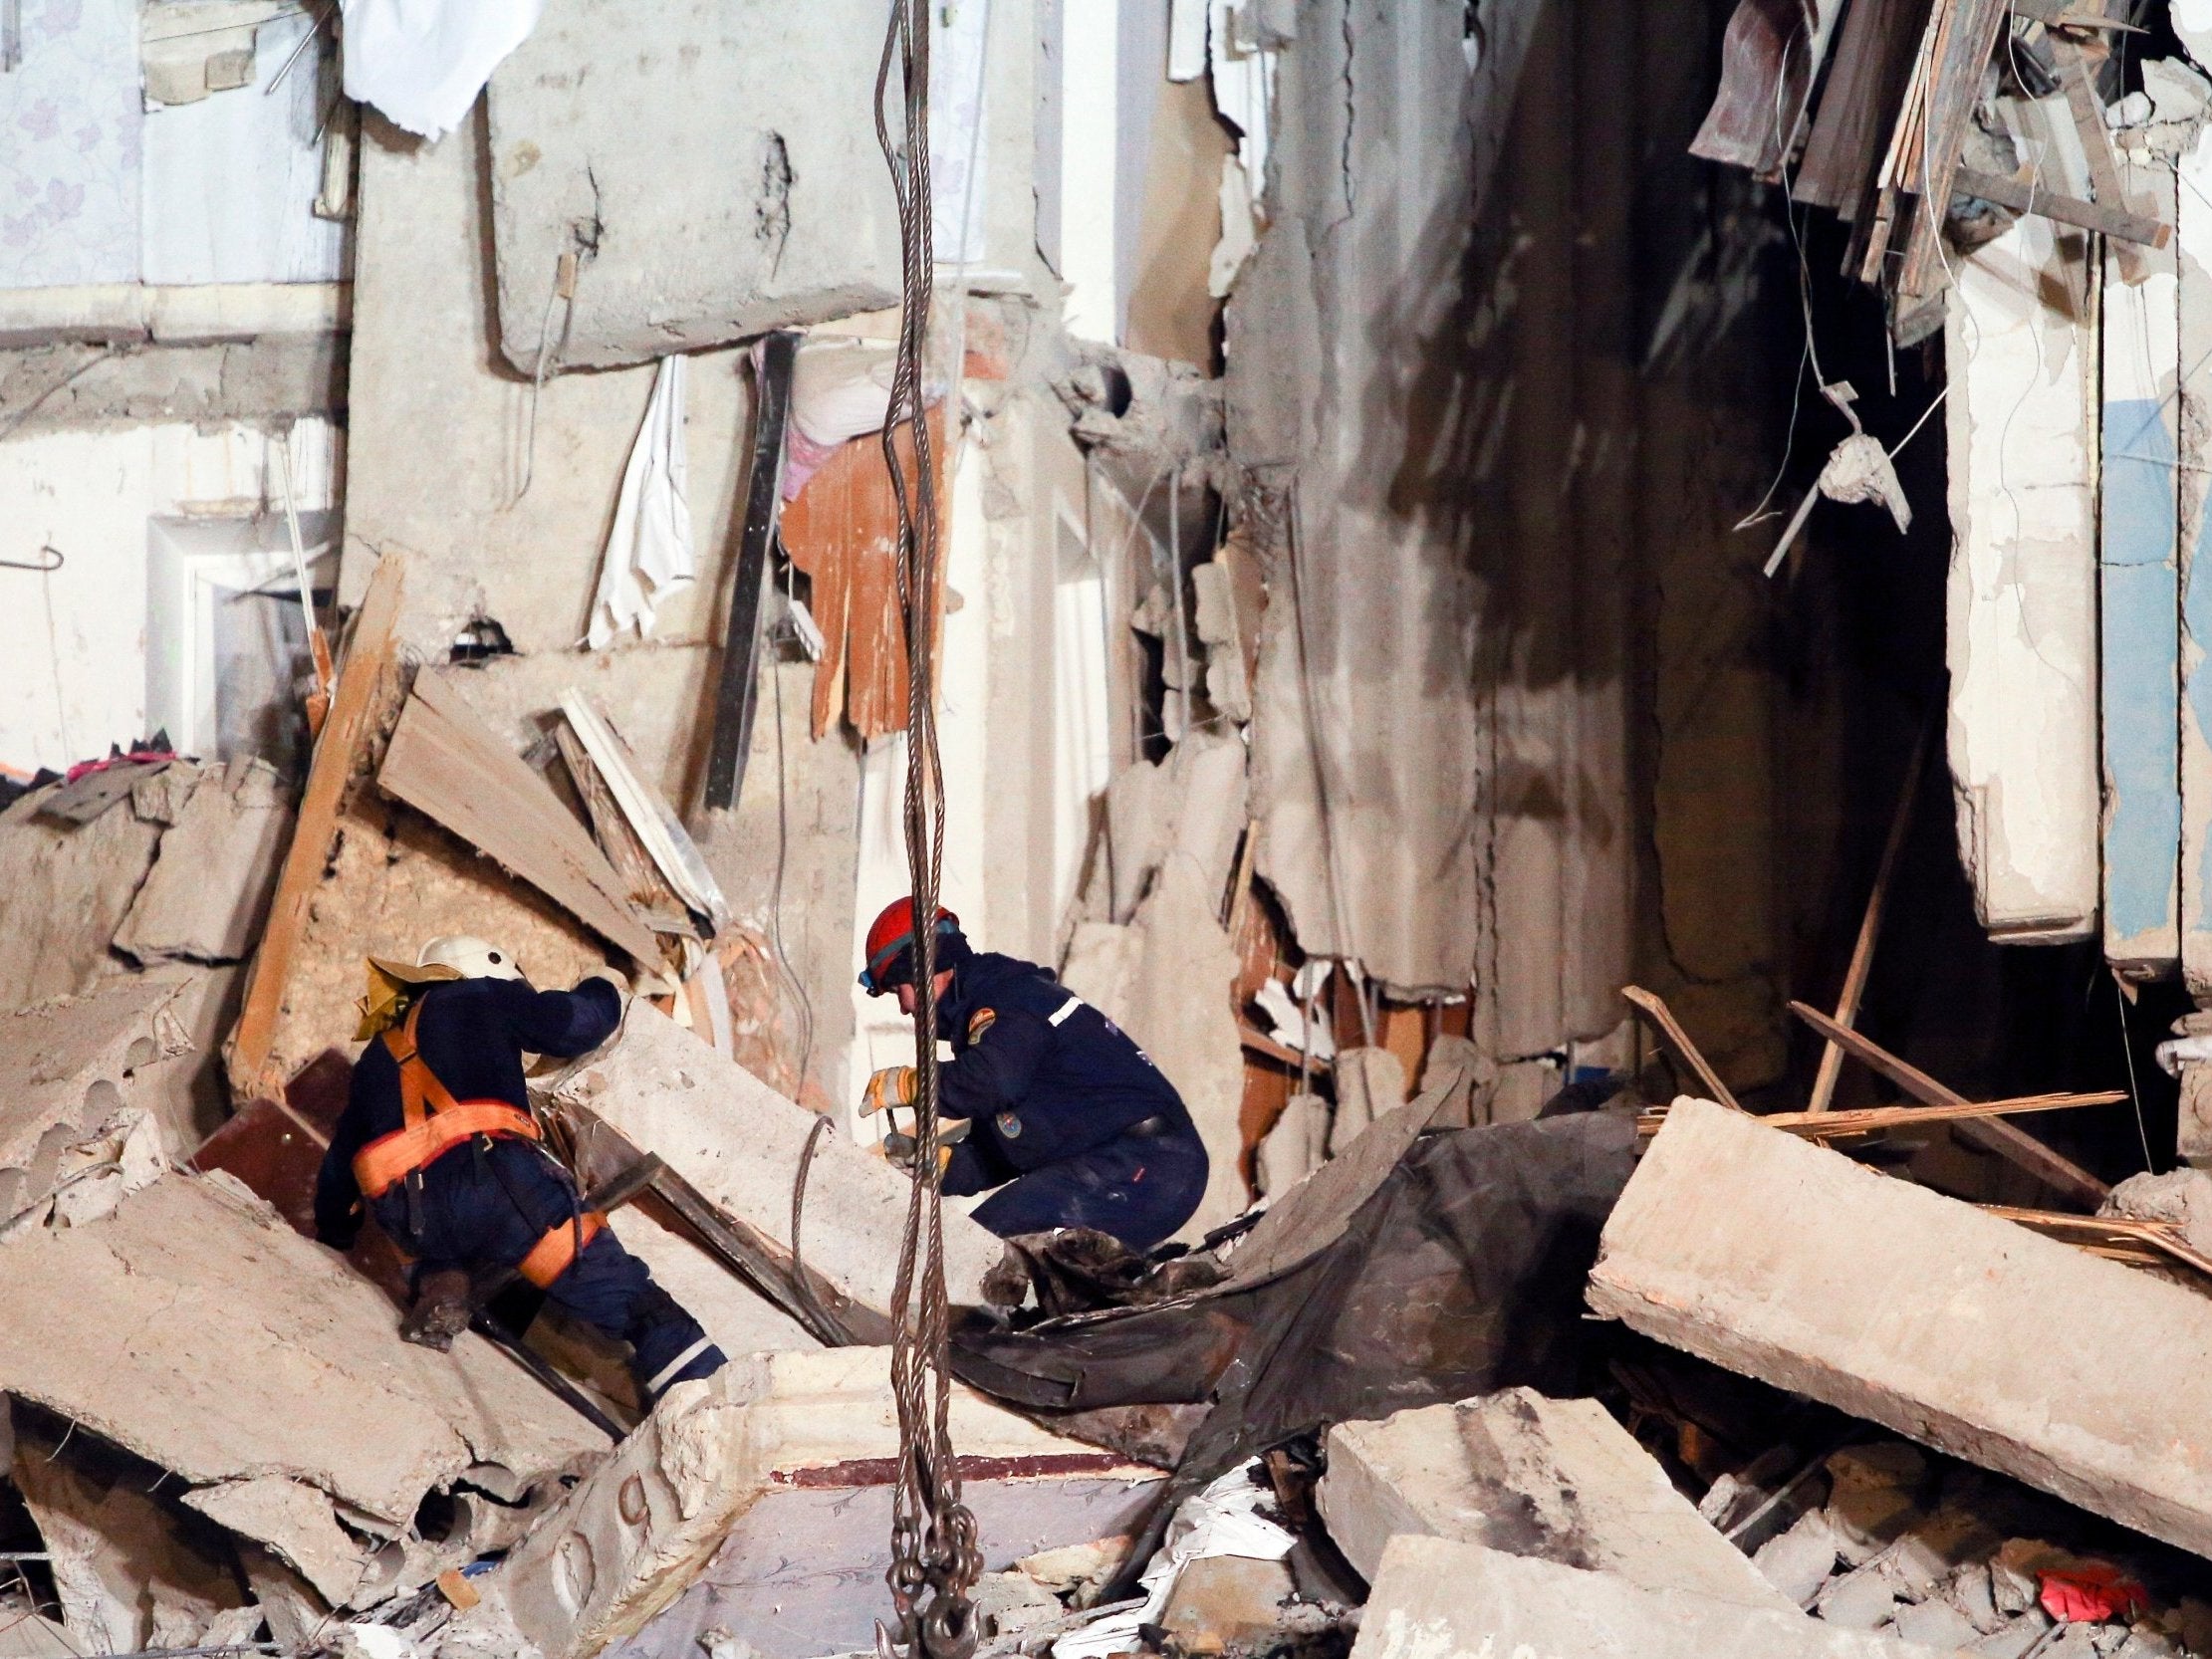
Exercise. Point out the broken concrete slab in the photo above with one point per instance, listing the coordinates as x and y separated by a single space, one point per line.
76 1074
208 891
1556 1479
776 1471
193 1327
739 1142
64 890
1294 1147
1370 1083
791 223
1191 804
127 1571
1434 1597
1775 1258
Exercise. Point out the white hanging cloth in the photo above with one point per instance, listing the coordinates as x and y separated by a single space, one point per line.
649 552
422 61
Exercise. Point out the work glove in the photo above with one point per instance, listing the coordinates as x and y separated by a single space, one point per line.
906 1152
894 1086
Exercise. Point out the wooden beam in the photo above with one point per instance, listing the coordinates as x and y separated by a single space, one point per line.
370 654
2023 197
1871 1121
1869 926
1663 1017
2051 1167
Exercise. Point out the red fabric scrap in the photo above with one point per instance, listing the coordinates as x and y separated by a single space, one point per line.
2091 1594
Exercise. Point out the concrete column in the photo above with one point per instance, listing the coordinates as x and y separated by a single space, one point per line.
1791 1263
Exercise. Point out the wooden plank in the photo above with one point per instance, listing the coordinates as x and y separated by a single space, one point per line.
1765 73
2101 1233
1871 1121
764 493
1962 53
370 656
1663 1017
1859 105
445 761
2051 1167
1869 926
2023 197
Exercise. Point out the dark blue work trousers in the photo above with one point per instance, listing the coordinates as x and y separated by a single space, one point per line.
1136 1188
488 1205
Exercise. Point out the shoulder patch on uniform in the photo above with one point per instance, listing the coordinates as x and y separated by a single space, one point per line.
981 1021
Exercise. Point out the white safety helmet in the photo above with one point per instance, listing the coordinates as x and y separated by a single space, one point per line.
469 957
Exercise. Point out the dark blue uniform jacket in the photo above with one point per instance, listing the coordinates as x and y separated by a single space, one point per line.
473 1035
1043 1074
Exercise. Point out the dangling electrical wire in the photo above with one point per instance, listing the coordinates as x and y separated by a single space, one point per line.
935 1560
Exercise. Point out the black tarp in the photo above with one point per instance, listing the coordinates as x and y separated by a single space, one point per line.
1461 1274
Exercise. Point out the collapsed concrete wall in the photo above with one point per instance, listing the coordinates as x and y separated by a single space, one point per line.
721 180
1436 1597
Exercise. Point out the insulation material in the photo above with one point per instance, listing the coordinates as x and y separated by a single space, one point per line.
2139 577
2022 606
648 551
790 219
1167 978
208 892
193 1327
422 63
842 532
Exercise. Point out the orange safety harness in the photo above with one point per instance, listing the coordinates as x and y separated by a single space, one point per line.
433 1123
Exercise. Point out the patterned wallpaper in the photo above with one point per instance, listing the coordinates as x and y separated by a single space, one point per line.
70 122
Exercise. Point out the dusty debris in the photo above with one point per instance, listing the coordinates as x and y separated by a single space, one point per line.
1433 1596
81 1081
64 890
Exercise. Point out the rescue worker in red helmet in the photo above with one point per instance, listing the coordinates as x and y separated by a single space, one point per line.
438 1143
1068 1119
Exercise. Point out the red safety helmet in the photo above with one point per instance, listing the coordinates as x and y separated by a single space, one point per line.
890 936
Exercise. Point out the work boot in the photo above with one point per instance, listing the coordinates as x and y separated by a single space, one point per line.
440 1312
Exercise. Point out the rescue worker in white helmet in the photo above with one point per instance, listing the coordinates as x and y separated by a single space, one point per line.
438 1143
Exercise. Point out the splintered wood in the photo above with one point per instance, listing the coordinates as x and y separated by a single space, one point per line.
842 532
